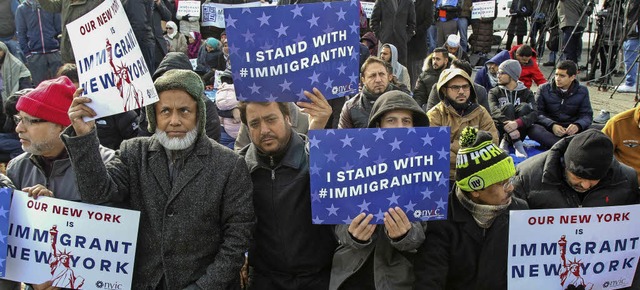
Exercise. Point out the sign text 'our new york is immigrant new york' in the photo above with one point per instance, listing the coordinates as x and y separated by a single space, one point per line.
278 52
371 170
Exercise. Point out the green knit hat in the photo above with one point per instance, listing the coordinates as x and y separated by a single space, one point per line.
480 163
184 80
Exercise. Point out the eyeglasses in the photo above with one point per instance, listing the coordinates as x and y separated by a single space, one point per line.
26 120
169 28
457 88
508 183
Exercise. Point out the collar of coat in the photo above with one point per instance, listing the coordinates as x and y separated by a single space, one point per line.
293 158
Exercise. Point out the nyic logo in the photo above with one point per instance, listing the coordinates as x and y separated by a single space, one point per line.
108 285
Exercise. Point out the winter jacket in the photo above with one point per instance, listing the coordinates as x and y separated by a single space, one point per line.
399 70
27 170
159 13
572 107
114 129
393 24
208 60
285 243
448 9
194 227
355 112
460 255
623 131
69 10
299 123
7 18
178 43
392 260
569 12
424 18
481 39
481 97
482 77
540 180
15 75
38 29
530 71
501 96
226 100
427 79
465 9
477 116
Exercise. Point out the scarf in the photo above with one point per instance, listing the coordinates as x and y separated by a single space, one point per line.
175 29
195 46
483 214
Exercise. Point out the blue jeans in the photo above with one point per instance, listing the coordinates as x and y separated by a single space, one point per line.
432 33
463 27
14 48
630 49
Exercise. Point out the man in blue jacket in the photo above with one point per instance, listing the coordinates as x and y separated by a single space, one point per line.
564 107
38 32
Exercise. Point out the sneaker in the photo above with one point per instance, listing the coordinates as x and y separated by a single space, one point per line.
504 145
520 152
626 89
549 63
602 118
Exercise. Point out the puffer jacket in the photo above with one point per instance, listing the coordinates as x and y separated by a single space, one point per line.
540 181
564 108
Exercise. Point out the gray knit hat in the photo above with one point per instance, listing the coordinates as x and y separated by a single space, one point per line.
512 68
184 80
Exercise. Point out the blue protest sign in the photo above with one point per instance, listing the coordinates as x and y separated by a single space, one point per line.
371 170
278 52
5 204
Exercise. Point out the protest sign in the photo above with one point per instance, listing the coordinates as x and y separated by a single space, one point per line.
111 68
277 52
367 7
595 248
213 13
75 245
483 9
188 8
371 170
5 205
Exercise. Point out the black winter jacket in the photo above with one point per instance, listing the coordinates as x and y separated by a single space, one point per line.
571 107
459 255
540 181
285 243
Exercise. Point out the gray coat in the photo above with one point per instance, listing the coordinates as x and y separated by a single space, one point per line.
392 261
194 231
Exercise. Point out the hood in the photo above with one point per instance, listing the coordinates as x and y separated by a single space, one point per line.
449 74
427 67
397 100
173 60
175 29
519 87
397 69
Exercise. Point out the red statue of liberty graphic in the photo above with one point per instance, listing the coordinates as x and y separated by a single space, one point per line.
570 272
132 97
62 274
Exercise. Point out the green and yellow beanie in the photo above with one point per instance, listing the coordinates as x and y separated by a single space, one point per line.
480 163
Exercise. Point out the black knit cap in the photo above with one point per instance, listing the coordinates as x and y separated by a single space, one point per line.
589 155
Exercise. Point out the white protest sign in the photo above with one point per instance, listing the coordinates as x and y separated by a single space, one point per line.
213 13
191 8
367 7
111 67
597 248
75 245
483 9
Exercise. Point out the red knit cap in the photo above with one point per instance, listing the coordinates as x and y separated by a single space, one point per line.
49 101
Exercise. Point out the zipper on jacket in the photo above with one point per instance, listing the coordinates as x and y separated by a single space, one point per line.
41 33
273 172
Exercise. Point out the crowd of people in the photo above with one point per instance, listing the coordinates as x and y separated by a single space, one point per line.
224 186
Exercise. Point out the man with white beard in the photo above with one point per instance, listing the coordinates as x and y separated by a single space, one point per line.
194 194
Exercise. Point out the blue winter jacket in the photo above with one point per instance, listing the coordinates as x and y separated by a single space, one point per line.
564 108
481 76
37 29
